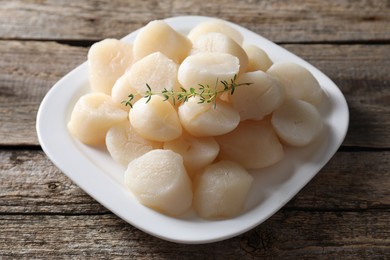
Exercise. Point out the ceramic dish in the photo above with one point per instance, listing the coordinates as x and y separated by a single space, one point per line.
96 173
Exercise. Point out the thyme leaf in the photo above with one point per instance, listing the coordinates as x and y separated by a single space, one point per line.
206 93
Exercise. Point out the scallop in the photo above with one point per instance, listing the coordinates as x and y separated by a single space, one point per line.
92 116
258 99
155 119
221 190
107 61
124 144
297 122
298 81
258 58
208 119
207 69
197 152
253 144
159 180
218 42
215 25
121 90
156 70
158 36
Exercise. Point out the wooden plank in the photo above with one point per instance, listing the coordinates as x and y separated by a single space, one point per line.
278 20
351 180
344 235
29 69
29 182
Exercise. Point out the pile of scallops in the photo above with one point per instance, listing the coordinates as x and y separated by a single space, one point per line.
183 155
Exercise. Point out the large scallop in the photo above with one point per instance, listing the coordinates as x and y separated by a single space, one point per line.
258 58
253 144
259 99
92 116
218 26
197 152
124 144
218 42
158 36
298 81
208 69
159 180
156 70
297 122
221 190
107 61
154 119
208 119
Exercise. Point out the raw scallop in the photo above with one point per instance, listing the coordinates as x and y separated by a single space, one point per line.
155 119
298 81
218 42
92 115
156 70
297 122
107 61
159 180
124 144
208 69
258 58
221 190
158 36
259 99
215 25
253 144
208 119
197 152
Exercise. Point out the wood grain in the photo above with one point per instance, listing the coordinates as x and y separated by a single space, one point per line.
360 235
27 71
361 72
278 20
350 181
31 183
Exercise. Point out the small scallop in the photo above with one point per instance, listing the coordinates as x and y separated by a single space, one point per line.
107 61
298 81
124 144
253 144
258 58
221 190
156 119
215 25
207 69
218 42
159 180
92 116
208 119
197 152
258 99
158 36
297 122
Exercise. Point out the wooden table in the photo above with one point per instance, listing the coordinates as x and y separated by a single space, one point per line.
344 212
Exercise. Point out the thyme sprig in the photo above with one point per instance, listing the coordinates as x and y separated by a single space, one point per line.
206 93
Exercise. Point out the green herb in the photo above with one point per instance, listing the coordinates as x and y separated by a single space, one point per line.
205 93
